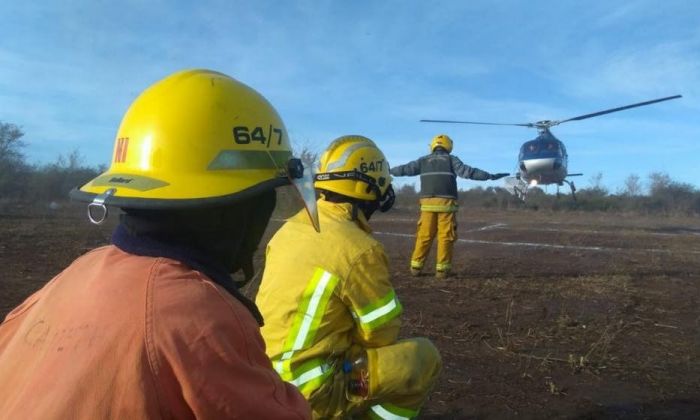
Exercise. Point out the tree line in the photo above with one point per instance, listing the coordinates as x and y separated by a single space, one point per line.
22 181
661 195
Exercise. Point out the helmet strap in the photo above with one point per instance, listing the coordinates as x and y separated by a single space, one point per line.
387 200
382 202
344 176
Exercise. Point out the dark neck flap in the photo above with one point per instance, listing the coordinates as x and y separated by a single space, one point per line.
146 246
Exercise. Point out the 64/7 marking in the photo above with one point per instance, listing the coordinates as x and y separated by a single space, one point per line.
245 135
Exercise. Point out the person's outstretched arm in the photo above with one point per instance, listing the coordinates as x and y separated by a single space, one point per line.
409 169
468 172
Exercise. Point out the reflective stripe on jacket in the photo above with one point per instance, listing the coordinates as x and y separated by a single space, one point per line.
439 205
438 172
323 292
122 336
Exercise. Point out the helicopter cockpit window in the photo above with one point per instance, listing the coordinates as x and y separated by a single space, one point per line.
552 147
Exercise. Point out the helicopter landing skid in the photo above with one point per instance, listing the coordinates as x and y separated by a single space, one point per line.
516 186
572 186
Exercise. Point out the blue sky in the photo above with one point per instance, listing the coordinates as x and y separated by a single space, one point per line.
69 70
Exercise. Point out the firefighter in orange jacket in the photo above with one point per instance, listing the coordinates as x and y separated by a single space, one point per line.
152 326
331 313
438 201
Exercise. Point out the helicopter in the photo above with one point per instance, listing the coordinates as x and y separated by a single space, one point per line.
543 160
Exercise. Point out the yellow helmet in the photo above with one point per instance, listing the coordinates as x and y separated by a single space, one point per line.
354 166
196 138
441 140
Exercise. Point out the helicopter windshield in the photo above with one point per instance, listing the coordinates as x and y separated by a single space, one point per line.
539 148
551 147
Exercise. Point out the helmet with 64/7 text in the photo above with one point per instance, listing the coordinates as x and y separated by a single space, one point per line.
196 138
355 167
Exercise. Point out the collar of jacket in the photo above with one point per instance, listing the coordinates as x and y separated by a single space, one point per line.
146 246
342 211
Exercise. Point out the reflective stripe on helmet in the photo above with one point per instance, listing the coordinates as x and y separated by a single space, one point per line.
379 313
135 182
342 160
249 159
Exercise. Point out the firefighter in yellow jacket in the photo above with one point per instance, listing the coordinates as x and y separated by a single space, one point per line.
438 201
327 299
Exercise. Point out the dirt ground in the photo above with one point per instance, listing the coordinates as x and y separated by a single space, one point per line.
547 315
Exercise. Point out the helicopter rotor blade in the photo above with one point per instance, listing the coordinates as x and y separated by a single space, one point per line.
474 122
622 108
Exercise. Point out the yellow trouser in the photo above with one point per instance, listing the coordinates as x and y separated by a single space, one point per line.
400 377
437 217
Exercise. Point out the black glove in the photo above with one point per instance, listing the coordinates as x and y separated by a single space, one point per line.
498 176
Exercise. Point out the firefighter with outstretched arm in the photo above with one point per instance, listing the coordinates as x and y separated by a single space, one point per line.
438 201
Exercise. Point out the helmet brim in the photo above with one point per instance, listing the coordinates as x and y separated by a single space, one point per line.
219 191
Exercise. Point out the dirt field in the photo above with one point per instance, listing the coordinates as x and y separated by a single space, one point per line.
547 315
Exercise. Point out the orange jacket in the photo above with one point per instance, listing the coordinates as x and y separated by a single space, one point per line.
122 336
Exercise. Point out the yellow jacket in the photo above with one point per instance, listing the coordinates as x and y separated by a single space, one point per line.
323 293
